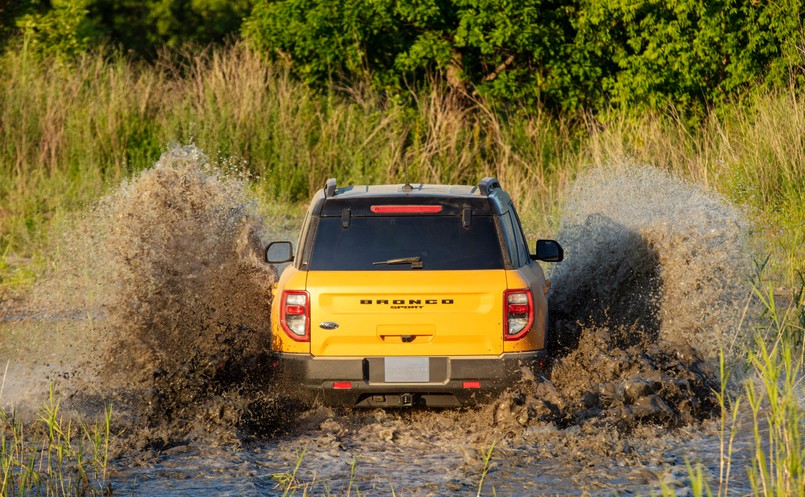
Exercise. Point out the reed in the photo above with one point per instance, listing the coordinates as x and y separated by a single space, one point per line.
52 456
775 400
769 403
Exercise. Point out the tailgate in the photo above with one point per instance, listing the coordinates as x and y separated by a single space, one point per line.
406 313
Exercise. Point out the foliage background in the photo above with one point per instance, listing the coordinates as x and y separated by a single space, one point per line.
563 55
566 55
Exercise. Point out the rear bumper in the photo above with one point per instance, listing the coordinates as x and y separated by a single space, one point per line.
452 381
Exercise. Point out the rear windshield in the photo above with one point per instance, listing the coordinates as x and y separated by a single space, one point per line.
441 242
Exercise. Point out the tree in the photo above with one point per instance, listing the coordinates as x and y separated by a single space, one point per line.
566 54
496 46
144 26
59 27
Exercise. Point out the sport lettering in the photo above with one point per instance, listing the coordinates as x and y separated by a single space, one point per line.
410 302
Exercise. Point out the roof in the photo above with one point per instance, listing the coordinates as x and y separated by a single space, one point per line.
486 187
418 190
483 199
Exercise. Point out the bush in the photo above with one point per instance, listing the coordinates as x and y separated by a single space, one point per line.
146 26
566 54
62 29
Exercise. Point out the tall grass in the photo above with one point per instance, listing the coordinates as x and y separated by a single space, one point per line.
753 154
776 399
773 393
69 131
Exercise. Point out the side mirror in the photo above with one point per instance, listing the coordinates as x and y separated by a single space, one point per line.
279 252
549 251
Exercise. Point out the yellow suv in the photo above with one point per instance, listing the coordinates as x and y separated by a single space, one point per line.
402 295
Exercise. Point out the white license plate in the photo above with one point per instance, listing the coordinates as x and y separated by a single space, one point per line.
407 369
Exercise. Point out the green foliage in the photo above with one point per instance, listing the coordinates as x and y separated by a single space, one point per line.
10 11
689 53
61 29
515 51
495 44
70 27
566 54
146 26
331 39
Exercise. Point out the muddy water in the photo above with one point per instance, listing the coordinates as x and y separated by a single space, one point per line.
433 454
157 301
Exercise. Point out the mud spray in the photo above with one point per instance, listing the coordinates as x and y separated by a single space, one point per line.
654 287
166 283
168 297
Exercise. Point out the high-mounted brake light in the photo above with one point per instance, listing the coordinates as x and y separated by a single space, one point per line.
295 315
406 209
518 313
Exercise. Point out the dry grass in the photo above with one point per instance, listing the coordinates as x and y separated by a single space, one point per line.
70 132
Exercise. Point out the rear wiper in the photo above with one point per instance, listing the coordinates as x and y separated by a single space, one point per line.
415 262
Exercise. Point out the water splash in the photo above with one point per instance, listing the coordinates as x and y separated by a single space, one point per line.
169 274
654 254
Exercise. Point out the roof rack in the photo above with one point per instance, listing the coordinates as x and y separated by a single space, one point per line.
329 187
488 184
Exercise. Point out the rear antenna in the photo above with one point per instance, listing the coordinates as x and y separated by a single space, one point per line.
407 188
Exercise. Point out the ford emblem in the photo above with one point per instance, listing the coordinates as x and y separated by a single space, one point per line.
328 325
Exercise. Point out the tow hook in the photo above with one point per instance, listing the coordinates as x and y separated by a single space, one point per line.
406 400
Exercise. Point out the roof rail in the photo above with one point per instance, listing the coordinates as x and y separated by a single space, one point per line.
488 184
329 187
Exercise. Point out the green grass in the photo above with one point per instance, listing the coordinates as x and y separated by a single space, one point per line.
53 455
776 398
773 391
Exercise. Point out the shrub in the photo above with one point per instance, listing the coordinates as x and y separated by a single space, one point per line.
565 54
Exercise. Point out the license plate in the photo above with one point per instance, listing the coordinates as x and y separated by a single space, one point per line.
407 369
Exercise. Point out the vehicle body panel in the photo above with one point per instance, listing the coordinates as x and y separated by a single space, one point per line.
532 277
413 313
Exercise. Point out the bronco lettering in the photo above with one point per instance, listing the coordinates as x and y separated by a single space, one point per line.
409 302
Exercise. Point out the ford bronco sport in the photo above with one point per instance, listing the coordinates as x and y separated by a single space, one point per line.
402 295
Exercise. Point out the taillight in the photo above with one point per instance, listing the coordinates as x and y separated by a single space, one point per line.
518 313
295 315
